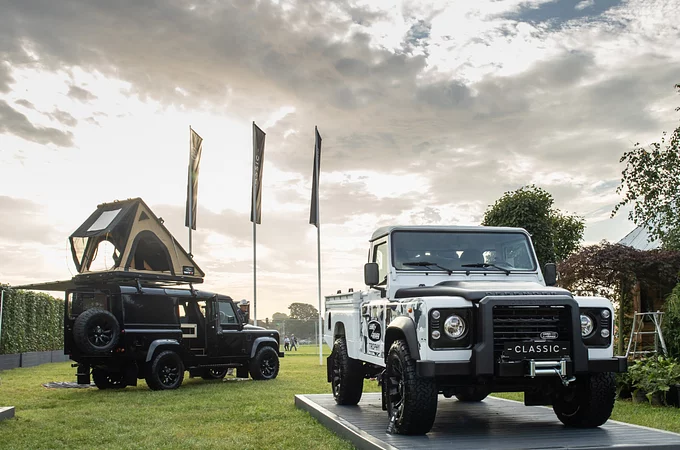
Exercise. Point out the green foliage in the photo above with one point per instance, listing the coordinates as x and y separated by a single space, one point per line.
611 270
651 184
671 323
303 311
652 375
31 322
555 235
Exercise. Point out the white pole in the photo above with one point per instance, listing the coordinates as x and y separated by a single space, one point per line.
318 254
2 301
190 200
254 274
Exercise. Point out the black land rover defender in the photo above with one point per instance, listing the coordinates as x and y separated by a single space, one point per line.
122 333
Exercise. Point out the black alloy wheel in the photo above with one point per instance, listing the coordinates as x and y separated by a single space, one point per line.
166 371
265 364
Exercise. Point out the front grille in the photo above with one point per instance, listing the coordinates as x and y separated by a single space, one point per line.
524 323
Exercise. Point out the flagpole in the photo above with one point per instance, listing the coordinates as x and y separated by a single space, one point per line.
191 195
2 301
318 256
254 274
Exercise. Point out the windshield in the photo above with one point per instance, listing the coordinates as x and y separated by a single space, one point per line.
461 251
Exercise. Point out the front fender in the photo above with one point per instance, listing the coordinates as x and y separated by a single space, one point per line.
402 328
260 340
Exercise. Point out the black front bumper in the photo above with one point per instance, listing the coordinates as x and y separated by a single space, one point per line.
485 360
618 364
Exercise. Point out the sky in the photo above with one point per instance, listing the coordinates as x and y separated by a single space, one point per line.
429 112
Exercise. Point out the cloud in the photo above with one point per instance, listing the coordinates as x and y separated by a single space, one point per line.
15 123
81 94
24 221
452 104
64 117
5 78
585 4
25 103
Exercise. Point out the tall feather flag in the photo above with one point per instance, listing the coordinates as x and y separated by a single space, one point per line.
195 149
314 210
258 162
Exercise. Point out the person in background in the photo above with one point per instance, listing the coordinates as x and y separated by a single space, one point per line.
242 310
293 342
286 343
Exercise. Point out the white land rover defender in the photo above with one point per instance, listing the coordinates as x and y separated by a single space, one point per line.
466 311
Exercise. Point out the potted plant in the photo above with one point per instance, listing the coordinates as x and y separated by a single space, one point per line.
637 373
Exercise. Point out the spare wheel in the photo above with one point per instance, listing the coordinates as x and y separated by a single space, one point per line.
96 331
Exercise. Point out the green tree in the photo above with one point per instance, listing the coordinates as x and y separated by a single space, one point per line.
277 316
651 184
555 235
303 311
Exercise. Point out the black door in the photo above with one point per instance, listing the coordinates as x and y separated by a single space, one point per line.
229 339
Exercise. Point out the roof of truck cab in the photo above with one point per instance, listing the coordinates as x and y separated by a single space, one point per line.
384 231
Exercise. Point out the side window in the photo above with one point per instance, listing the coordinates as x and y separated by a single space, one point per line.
380 257
227 313
82 301
150 309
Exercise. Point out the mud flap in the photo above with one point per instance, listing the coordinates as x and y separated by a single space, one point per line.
383 390
329 368
83 374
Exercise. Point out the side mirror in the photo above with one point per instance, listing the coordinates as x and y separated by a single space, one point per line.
371 274
550 274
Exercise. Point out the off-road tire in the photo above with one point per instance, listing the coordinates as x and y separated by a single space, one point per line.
96 331
411 400
105 379
589 403
265 364
472 394
216 373
165 372
347 375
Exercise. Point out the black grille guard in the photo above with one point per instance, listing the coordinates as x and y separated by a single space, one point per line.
483 351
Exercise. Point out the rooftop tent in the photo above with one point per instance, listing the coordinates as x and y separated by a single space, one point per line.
126 238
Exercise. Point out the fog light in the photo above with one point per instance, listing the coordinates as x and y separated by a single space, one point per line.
436 334
586 325
605 314
604 333
454 326
435 314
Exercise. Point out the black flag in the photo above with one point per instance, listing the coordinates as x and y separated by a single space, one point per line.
314 211
258 162
195 148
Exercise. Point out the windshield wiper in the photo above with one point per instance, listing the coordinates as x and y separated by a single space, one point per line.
425 264
485 265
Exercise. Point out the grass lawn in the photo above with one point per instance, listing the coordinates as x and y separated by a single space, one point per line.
200 414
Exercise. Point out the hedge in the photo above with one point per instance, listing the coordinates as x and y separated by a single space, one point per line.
31 322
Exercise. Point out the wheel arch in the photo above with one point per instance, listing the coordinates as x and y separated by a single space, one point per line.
338 330
265 341
163 344
402 328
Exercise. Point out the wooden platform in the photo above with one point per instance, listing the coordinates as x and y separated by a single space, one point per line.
6 412
492 424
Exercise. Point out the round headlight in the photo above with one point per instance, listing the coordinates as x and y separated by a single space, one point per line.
604 333
587 325
605 314
436 334
454 326
435 314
